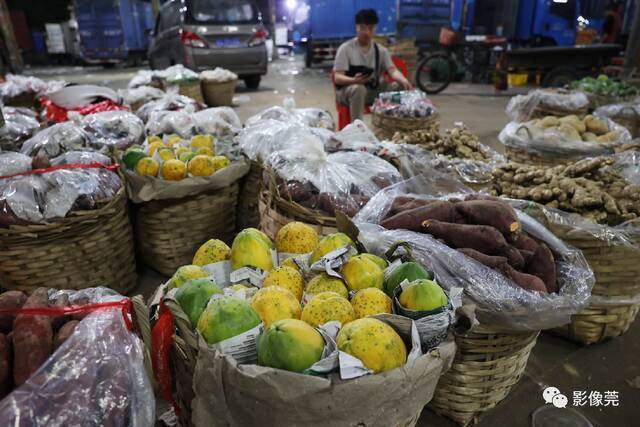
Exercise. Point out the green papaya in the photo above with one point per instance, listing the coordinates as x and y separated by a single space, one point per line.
409 271
132 156
194 295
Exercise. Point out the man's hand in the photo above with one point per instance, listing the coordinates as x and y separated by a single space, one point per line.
401 79
361 78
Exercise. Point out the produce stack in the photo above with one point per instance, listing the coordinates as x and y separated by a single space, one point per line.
308 326
519 276
218 86
403 111
186 81
598 214
603 91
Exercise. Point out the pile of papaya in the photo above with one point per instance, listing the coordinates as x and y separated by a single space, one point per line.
483 228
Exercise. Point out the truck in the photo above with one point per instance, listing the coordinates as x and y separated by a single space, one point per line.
331 22
114 31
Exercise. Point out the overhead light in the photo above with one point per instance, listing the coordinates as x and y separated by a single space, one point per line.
561 1
291 4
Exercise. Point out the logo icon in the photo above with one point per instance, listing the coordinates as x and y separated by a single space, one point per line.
552 395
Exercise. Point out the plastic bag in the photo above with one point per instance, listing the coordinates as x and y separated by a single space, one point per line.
339 181
19 125
522 108
312 117
556 142
218 75
169 102
56 140
627 113
141 94
81 158
142 78
119 129
218 121
413 103
499 302
36 198
96 377
14 163
16 85
259 139
177 73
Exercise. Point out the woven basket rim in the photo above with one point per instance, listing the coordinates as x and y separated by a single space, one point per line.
407 120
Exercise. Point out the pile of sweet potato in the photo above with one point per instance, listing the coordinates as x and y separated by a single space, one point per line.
483 228
27 340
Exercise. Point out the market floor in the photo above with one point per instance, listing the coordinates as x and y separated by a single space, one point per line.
610 366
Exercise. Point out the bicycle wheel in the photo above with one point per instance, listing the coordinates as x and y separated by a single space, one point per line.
434 73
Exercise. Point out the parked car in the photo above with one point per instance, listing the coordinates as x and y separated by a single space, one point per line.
204 34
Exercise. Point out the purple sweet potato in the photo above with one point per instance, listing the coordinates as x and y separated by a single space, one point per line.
490 212
488 260
515 258
525 242
5 365
412 219
526 255
58 321
482 238
331 202
32 338
403 203
10 300
543 265
527 282
65 332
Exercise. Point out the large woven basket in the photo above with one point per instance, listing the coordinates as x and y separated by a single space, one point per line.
218 94
487 365
190 88
85 249
168 232
545 110
522 156
385 126
617 272
248 213
629 118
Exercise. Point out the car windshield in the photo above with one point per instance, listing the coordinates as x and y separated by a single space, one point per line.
223 11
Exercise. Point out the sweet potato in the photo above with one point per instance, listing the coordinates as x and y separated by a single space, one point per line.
10 300
488 260
403 203
58 321
525 242
65 332
527 282
482 238
5 365
412 219
513 255
32 338
490 212
526 255
543 265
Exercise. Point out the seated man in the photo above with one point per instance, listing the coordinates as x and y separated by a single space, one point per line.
360 64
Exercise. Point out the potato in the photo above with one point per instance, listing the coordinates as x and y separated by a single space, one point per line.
569 132
549 121
595 125
574 122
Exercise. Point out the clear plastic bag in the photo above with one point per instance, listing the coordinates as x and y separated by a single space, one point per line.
356 136
177 73
81 158
56 140
96 377
39 198
261 138
413 103
218 75
141 94
522 108
20 124
142 78
219 121
311 117
556 142
14 163
169 102
499 302
338 181
16 85
119 129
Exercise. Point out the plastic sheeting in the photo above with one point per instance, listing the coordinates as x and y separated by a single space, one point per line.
523 107
218 121
20 124
169 102
120 129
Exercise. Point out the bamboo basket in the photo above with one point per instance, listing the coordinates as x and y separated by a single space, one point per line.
85 249
218 94
169 232
190 88
617 272
486 366
271 221
544 110
385 126
248 213
522 156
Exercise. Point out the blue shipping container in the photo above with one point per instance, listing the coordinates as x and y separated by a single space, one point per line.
334 19
112 30
422 19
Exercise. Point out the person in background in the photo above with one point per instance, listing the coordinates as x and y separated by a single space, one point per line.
359 67
612 23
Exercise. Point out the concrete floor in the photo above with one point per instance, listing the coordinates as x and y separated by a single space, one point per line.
610 366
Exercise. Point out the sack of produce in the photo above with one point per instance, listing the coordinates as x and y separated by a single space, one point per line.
219 121
20 124
598 210
185 81
79 349
307 184
626 114
554 140
171 101
540 103
403 111
140 95
520 277
218 86
311 117
143 78
118 129
14 163
23 91
236 342
56 140
74 216
602 90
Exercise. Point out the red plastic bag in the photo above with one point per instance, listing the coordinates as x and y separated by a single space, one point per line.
161 342
55 113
